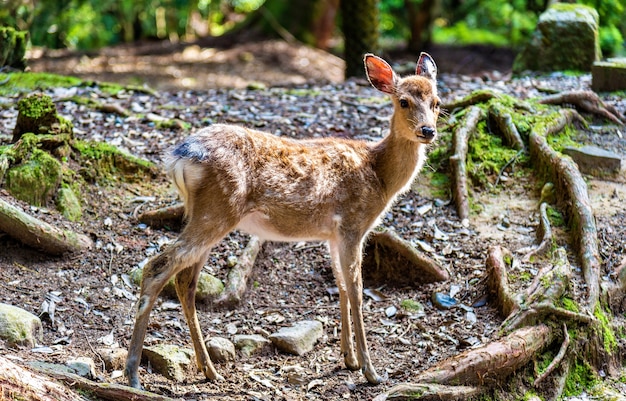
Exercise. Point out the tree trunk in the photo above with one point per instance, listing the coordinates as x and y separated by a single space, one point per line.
421 16
360 31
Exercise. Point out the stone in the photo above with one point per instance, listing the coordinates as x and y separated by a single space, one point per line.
250 344
593 160
169 360
566 38
299 338
68 204
19 327
83 366
220 349
209 287
114 358
609 75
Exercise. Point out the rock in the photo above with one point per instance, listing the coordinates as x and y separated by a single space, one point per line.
55 367
594 160
443 301
169 360
83 366
209 287
19 327
220 349
68 204
609 76
299 338
250 344
566 38
35 180
114 358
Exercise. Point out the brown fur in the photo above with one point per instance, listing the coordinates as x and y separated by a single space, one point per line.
327 189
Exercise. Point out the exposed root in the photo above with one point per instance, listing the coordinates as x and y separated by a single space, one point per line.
473 98
587 101
544 232
424 392
572 192
391 260
170 217
498 282
457 161
237 281
505 125
557 359
492 362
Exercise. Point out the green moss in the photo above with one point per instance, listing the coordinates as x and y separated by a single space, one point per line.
24 82
608 335
411 305
563 139
104 161
556 217
35 180
581 377
68 204
569 304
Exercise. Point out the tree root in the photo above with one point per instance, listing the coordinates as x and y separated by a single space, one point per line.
572 190
428 392
392 260
557 359
544 232
491 362
170 217
497 280
587 101
457 161
37 233
238 276
505 125
480 96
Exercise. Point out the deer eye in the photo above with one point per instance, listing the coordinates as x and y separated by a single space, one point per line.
404 103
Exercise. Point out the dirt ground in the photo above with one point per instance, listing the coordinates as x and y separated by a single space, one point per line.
304 96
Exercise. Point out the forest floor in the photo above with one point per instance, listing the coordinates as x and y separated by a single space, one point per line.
303 96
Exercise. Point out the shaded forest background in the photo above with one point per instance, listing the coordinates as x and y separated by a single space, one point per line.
348 28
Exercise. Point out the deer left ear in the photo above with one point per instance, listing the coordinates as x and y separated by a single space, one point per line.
426 67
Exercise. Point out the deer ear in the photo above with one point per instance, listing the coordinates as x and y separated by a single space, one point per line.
426 67
380 74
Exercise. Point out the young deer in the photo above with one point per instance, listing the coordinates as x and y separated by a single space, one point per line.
328 189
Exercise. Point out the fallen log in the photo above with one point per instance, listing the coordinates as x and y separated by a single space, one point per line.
427 392
37 233
170 217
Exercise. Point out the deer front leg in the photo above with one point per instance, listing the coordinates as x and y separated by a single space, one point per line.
347 344
350 259
155 274
186 283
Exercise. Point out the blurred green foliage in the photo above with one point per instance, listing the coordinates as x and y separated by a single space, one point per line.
89 24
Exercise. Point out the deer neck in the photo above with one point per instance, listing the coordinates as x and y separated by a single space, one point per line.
397 160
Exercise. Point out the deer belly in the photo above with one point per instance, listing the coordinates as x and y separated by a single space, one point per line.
261 225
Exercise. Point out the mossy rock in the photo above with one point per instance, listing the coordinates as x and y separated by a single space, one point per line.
37 114
209 287
566 38
69 204
13 47
36 179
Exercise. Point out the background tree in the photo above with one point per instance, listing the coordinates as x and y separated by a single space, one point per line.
360 31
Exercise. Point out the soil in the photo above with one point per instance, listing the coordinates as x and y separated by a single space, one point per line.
304 96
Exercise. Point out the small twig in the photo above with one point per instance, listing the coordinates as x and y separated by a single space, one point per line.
513 159
557 359
91 347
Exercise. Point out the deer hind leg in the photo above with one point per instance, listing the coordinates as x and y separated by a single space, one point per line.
188 253
350 260
347 344
186 282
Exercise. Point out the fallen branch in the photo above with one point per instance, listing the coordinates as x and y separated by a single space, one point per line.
20 383
572 191
458 161
491 362
386 257
104 391
497 280
39 234
557 359
237 281
588 101
426 391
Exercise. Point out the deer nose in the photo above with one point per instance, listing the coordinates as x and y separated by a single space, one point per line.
428 132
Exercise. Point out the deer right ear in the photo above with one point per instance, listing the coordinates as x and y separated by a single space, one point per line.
380 74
